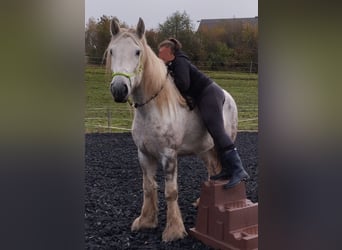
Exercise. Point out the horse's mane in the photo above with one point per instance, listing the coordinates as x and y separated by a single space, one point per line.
155 78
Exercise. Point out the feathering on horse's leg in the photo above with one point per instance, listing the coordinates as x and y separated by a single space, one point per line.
212 164
149 211
174 229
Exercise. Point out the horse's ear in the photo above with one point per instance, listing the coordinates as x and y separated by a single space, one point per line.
114 26
140 28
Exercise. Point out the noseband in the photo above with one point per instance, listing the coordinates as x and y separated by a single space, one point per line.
137 71
129 75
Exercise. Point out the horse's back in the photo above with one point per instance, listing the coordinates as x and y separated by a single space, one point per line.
196 137
182 130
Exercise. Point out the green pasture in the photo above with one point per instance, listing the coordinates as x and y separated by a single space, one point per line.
102 114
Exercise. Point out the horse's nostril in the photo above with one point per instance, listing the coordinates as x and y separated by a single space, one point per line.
119 91
125 90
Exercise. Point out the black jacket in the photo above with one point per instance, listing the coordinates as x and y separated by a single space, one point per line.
188 79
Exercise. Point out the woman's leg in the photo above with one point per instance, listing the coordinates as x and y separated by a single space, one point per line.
210 106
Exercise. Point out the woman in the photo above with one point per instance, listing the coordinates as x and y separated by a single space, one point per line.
200 90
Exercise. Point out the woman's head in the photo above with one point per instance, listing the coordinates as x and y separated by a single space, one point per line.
168 48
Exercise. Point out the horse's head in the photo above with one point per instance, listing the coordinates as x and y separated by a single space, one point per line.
124 55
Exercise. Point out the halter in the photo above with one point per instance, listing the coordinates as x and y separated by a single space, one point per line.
137 71
129 76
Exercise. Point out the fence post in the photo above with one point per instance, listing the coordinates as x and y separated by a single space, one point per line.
109 119
250 67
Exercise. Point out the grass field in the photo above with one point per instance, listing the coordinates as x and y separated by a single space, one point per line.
102 114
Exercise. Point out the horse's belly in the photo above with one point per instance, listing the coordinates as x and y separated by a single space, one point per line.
186 134
195 143
190 145
153 140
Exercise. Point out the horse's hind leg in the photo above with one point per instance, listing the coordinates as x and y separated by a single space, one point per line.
211 161
149 211
213 165
174 225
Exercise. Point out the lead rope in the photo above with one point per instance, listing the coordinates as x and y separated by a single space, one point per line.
138 105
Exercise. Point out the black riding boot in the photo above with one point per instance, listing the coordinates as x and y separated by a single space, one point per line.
232 159
231 168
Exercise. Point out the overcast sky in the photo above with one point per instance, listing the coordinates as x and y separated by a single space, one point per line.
155 12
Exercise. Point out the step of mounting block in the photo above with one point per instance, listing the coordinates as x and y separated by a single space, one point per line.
226 219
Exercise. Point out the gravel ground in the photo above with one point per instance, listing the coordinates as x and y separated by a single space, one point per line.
114 192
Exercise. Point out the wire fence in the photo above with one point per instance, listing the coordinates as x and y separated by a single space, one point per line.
234 66
119 117
113 119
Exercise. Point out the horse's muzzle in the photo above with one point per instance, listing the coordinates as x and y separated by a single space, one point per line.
119 91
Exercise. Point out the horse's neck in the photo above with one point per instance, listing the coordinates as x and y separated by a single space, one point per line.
164 104
157 85
138 95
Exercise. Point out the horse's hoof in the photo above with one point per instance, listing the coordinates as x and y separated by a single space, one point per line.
196 203
140 223
136 224
171 235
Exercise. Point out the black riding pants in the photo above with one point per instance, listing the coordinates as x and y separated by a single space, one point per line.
210 105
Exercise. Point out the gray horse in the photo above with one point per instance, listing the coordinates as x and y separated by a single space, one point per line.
163 126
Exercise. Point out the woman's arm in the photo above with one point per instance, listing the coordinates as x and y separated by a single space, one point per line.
181 74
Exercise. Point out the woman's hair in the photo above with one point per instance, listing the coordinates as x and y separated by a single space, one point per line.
172 43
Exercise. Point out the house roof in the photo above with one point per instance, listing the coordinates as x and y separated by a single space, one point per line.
206 24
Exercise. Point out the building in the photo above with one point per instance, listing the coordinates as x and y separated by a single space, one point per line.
228 23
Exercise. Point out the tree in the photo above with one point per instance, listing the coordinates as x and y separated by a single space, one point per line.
152 38
180 26
90 38
97 38
219 55
250 42
176 25
228 43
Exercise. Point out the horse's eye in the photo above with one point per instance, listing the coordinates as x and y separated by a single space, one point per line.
137 53
111 52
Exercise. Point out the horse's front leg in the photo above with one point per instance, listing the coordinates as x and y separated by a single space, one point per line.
174 225
149 212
